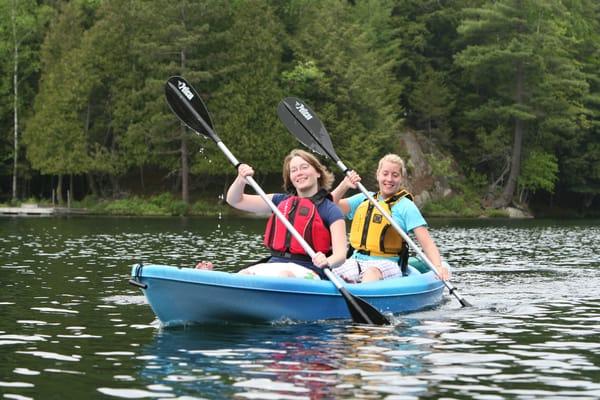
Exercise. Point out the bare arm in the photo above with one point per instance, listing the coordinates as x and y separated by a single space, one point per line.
349 182
431 251
246 202
339 243
338 247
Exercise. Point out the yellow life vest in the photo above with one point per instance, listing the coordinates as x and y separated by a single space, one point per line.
372 233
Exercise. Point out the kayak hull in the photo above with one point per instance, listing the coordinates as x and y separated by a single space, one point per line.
186 295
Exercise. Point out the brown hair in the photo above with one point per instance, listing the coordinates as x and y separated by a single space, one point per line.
325 180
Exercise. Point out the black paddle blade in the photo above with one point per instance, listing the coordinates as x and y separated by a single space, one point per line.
362 312
187 104
304 124
299 131
463 302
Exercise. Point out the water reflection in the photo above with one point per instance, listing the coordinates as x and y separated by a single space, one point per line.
286 361
485 352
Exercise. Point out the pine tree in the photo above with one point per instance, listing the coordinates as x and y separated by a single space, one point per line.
55 135
113 75
426 35
175 38
523 80
21 27
351 86
246 100
580 158
432 103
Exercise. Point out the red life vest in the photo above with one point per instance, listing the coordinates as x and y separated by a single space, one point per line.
303 215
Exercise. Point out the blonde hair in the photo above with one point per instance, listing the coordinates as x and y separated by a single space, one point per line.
395 159
324 181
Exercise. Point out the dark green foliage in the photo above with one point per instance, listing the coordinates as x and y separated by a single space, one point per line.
244 104
347 77
510 89
432 104
22 29
162 204
55 134
526 85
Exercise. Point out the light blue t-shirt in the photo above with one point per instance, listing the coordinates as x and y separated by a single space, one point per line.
404 212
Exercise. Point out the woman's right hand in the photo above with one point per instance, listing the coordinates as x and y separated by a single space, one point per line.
235 193
320 260
352 178
244 170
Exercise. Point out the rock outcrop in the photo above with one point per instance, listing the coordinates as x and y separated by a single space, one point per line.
422 182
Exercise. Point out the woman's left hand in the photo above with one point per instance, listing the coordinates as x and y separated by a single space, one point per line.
320 260
443 271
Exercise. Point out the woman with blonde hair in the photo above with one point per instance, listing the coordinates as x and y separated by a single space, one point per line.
308 207
379 251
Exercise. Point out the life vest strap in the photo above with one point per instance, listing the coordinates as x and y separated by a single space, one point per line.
285 254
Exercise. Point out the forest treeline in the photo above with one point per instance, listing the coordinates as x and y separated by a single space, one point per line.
510 89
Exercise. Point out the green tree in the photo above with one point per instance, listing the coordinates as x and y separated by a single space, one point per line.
426 35
522 77
354 93
432 102
539 171
246 100
175 38
21 27
113 75
580 156
55 134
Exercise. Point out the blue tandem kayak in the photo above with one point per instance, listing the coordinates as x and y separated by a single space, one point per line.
187 295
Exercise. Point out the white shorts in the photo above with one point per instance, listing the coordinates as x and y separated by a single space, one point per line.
353 269
291 270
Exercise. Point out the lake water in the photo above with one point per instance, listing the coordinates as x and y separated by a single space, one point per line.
71 326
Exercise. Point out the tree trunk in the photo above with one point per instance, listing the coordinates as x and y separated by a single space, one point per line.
588 199
92 185
185 168
142 179
71 189
59 192
15 100
429 128
515 164
114 183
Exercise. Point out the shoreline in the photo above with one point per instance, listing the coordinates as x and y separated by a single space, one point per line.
34 210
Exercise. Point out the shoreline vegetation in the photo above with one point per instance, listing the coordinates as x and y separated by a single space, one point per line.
167 204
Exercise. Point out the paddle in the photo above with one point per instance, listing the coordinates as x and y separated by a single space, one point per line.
304 124
190 109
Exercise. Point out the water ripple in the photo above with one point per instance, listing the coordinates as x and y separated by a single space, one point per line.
68 313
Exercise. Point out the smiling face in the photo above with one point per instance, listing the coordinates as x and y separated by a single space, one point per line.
303 176
389 177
